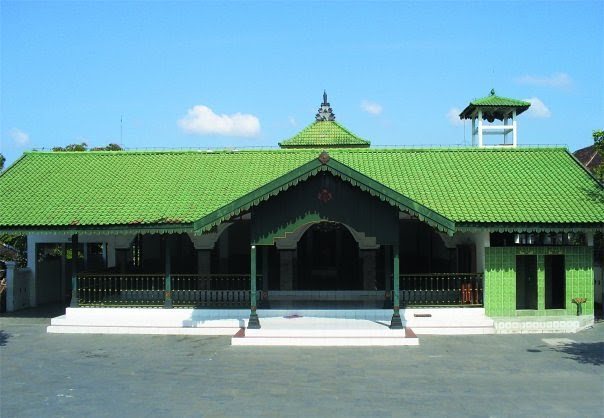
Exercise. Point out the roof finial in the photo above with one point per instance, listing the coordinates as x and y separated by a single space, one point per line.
492 92
325 112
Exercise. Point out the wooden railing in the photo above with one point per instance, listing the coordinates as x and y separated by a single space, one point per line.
233 290
229 290
212 290
120 289
444 289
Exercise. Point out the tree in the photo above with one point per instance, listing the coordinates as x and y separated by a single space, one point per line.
19 243
73 147
110 147
2 160
84 147
599 145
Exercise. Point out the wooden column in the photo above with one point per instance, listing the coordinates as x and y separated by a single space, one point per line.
396 322
387 276
63 273
253 322
368 257
265 261
168 280
74 271
286 266
204 260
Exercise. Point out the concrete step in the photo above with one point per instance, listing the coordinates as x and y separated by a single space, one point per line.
306 340
150 330
324 332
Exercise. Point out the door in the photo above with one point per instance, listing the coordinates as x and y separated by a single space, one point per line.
526 282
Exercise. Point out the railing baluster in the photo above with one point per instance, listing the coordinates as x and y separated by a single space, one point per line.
442 289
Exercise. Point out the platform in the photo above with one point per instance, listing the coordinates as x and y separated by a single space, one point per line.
181 321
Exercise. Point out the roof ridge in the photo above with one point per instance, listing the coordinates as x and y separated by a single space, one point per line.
318 148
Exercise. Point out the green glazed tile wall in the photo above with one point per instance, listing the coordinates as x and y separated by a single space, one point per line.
500 280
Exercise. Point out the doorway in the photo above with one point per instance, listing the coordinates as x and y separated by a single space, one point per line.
328 259
555 282
526 282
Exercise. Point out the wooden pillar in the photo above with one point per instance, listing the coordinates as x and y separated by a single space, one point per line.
63 273
396 322
74 271
286 264
265 261
253 322
168 279
387 276
368 257
204 260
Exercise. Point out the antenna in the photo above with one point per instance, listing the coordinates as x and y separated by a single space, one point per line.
121 131
492 77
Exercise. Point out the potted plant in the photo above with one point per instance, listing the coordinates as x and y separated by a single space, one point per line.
579 302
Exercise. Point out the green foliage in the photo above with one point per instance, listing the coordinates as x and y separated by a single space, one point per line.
19 243
110 147
2 160
84 147
72 147
599 144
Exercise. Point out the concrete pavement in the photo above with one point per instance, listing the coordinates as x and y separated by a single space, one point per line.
55 375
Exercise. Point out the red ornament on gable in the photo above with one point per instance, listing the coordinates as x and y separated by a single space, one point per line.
324 195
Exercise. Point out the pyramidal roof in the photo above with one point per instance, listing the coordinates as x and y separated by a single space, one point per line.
325 132
492 104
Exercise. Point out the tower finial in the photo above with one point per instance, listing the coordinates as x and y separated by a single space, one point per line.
492 92
325 112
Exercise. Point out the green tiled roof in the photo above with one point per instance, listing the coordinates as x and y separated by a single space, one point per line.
494 104
74 190
328 134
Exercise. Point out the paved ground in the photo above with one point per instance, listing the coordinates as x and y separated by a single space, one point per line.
46 375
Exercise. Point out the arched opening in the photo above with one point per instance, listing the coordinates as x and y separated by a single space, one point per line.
328 259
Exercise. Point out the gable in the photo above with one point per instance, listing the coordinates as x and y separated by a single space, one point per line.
323 197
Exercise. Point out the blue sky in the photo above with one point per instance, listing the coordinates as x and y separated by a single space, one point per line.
215 74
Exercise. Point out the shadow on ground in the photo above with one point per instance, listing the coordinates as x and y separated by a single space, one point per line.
3 338
44 311
585 353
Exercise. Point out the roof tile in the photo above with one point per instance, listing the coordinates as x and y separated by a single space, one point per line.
525 185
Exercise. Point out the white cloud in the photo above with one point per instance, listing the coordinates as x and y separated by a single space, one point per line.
538 109
453 116
201 120
19 137
372 108
557 80
292 121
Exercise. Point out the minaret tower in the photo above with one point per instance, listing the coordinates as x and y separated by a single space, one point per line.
490 108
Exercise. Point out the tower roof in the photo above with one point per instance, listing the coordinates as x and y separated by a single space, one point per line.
325 132
494 107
